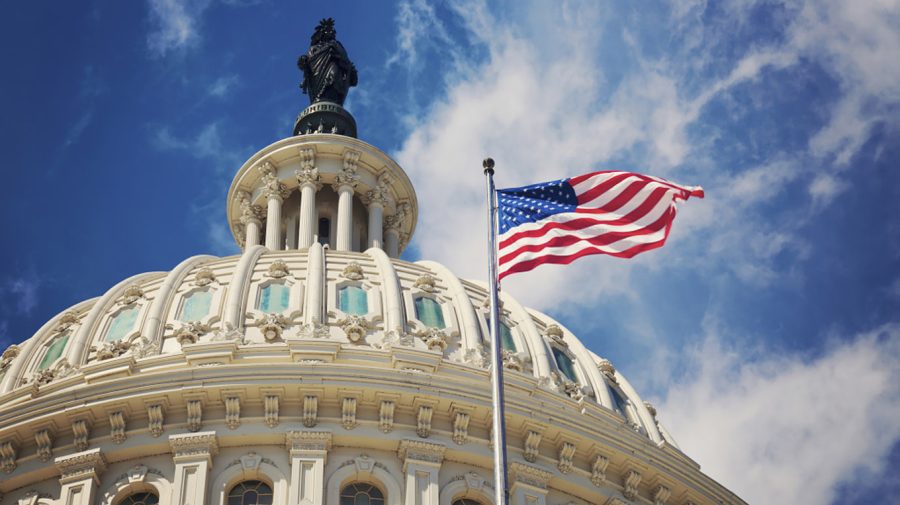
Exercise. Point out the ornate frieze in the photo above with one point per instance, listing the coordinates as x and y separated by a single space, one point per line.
348 413
110 350
380 194
386 416
272 325
314 330
423 421
270 410
194 415
630 484
81 465
529 475
81 431
566 457
43 377
44 442
190 333
296 441
232 412
355 328
420 451
310 411
156 417
461 428
194 444
532 445
434 338
598 470
117 426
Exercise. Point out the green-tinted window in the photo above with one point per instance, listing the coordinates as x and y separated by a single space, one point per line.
274 298
54 351
122 324
361 494
353 300
429 312
251 492
196 306
506 339
565 365
620 403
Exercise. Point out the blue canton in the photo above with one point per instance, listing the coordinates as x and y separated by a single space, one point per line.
533 203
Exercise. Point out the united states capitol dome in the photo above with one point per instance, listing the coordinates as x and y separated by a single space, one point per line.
317 367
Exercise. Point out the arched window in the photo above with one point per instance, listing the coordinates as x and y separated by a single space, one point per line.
353 300
140 499
465 501
196 306
324 230
619 401
54 351
429 312
274 298
361 494
122 324
565 365
250 492
506 337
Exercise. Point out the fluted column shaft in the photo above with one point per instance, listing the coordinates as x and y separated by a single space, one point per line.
376 224
307 215
345 217
273 222
252 232
392 242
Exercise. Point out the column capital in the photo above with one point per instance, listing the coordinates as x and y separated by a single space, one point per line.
398 218
379 195
528 475
419 451
272 187
201 445
299 442
80 466
308 176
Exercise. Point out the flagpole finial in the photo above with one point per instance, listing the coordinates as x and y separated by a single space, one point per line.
488 165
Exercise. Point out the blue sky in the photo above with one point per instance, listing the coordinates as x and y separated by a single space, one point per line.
766 331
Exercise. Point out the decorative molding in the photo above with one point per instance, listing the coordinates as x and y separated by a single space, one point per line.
348 176
194 415
386 416
420 451
314 330
651 409
278 269
630 484
423 421
310 410
476 357
434 338
270 407
81 431
353 271
204 277
607 369
44 442
598 470
272 187
380 194
156 417
194 444
307 441
426 283
271 325
9 354
555 333
8 454
249 212
348 413
661 495
117 426
308 173
512 361
566 457
532 444
232 412
110 350
67 320
43 377
190 333
132 293
81 465
355 327
142 347
529 475
461 428
396 220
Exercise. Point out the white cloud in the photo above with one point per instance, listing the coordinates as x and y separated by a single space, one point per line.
24 291
223 86
783 428
175 24
78 128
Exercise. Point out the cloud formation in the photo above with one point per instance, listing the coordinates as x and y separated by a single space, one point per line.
175 24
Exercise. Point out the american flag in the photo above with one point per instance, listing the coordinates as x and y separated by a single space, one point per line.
609 212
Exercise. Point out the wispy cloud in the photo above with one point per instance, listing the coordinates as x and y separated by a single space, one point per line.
223 86
782 428
206 144
78 128
175 24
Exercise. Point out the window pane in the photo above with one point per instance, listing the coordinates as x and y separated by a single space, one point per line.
196 306
251 492
122 324
565 364
353 300
141 499
429 312
54 351
274 298
506 338
619 401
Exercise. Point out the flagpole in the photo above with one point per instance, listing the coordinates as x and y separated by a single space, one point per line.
501 484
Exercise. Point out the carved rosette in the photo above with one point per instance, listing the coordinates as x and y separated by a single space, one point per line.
190 333
353 271
272 325
426 283
204 277
278 269
355 327
435 339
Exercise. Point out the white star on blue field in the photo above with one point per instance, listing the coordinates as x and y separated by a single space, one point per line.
766 331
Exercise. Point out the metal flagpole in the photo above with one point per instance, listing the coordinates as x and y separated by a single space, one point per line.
501 484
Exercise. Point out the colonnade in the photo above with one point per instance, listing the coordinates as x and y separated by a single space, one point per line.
383 232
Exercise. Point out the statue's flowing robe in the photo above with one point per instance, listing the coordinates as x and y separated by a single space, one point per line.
329 73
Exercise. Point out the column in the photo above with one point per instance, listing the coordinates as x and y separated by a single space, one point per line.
80 476
392 240
421 464
275 193
192 453
377 199
344 185
528 485
251 218
308 450
308 179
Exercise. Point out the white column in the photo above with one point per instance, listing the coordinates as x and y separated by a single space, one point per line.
392 242
377 199
80 476
275 193
192 453
309 450
344 184
392 225
528 485
421 464
252 232
251 218
308 180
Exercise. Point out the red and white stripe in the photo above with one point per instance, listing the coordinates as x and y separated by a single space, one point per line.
619 213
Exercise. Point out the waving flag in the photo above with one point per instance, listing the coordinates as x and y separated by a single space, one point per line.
617 213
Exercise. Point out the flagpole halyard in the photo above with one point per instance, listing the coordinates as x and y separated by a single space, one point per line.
501 483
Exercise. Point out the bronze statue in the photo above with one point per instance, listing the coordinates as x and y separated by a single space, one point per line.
328 73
